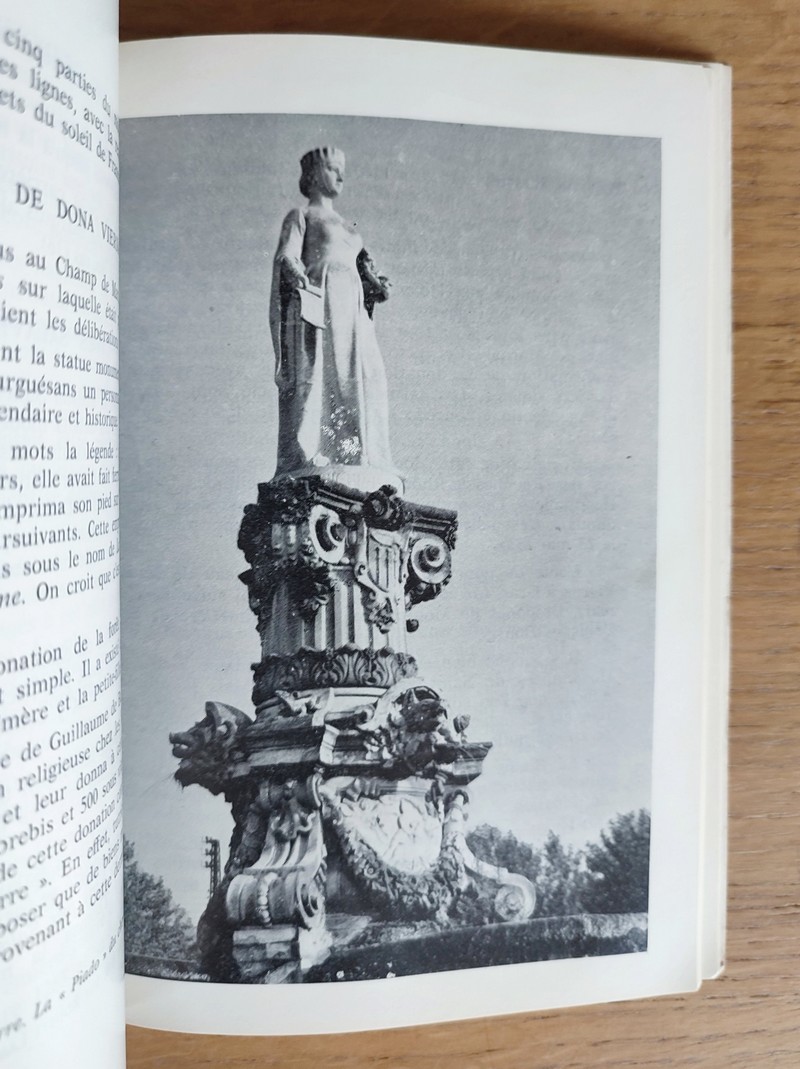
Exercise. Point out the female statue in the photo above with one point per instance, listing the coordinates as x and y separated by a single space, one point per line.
332 385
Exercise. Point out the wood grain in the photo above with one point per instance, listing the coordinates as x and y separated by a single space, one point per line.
750 1017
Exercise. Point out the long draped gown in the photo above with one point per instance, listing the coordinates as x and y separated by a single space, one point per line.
333 403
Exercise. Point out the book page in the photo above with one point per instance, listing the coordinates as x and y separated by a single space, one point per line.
60 760
517 268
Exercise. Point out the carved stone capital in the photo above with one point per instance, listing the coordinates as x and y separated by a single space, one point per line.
286 500
313 539
346 666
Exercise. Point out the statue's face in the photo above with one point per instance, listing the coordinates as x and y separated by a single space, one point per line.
329 178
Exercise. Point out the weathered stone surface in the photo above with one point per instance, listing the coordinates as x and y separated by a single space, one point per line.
400 950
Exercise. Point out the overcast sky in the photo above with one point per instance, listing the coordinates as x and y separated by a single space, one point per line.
521 347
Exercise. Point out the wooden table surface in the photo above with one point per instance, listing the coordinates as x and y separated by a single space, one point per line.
750 1017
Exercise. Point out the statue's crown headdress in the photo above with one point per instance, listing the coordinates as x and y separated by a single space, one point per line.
326 154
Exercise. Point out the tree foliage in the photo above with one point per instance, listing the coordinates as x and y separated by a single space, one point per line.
606 877
619 866
155 926
559 889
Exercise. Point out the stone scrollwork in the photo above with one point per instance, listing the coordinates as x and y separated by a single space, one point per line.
352 760
328 534
314 539
515 897
292 502
429 568
349 782
286 884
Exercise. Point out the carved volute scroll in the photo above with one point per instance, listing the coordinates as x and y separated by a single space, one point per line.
429 568
286 884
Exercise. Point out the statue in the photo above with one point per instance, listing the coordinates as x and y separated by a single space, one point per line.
348 787
333 403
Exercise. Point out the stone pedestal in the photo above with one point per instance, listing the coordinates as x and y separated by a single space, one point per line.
348 787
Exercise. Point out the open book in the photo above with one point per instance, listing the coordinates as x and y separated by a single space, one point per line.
422 494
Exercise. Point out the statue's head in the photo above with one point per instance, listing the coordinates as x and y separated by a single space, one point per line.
323 169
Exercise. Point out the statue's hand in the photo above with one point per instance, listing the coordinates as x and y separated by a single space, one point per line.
384 284
372 277
292 274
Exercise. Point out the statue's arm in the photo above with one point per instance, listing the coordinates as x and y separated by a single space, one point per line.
289 254
288 275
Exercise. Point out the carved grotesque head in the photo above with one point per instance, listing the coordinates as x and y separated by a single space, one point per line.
419 732
423 711
208 750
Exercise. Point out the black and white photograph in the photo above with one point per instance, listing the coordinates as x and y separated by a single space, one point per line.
389 543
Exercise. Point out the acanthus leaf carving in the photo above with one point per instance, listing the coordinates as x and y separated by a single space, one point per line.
343 666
